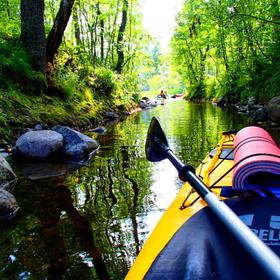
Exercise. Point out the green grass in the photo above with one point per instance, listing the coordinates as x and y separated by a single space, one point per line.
76 97
18 111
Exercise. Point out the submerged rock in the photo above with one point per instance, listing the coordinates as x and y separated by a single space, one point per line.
47 169
98 130
39 144
77 146
8 205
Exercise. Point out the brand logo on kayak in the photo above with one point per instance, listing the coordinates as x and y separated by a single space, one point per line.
275 222
247 219
271 235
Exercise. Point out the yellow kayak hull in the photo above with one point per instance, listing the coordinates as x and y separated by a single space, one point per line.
181 209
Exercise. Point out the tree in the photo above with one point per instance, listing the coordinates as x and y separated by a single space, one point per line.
77 30
102 28
56 34
33 32
227 48
120 47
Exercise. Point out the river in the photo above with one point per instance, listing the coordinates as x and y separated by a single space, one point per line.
92 222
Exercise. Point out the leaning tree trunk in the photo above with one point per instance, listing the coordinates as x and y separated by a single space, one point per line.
33 32
120 48
56 34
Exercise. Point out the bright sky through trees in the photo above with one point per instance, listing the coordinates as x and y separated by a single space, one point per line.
159 18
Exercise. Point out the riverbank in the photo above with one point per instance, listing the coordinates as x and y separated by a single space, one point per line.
20 111
76 94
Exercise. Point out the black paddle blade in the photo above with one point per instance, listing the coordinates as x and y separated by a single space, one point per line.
156 143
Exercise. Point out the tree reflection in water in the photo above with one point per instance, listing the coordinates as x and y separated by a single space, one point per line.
111 193
60 200
135 189
52 203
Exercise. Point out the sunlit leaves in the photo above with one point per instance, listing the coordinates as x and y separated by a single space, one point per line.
239 34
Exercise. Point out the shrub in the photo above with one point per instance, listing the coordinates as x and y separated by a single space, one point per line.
102 81
14 64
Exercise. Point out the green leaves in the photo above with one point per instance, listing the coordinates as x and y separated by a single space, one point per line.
218 43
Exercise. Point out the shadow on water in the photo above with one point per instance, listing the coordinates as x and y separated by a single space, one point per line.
42 247
92 223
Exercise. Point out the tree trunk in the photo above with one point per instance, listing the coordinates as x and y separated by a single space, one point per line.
94 38
76 25
110 50
101 22
275 16
33 32
8 9
56 34
120 51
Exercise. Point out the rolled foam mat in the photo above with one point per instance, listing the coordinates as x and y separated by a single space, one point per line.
256 160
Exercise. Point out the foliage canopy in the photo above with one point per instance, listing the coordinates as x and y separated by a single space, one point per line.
228 48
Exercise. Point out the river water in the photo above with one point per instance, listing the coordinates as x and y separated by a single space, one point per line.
91 223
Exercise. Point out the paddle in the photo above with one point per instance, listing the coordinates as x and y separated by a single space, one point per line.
157 149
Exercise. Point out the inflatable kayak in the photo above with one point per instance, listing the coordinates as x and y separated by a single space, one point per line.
189 242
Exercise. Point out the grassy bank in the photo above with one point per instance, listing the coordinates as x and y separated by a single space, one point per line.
77 95
19 111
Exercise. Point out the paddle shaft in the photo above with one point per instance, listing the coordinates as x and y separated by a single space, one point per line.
266 258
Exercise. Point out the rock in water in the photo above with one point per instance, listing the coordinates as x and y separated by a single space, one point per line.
77 146
7 177
111 115
39 144
260 115
8 205
46 169
99 130
274 109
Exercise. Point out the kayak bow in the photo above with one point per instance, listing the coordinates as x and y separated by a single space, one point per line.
157 149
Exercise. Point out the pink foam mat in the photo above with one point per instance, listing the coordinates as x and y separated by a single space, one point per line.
257 160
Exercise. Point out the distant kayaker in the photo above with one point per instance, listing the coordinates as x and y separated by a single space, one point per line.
162 94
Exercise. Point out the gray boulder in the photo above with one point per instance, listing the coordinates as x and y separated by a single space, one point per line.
7 177
144 105
222 101
147 104
77 146
39 144
111 115
251 102
274 109
154 103
260 115
8 205
38 127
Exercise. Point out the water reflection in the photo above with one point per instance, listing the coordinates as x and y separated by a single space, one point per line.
43 247
93 224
